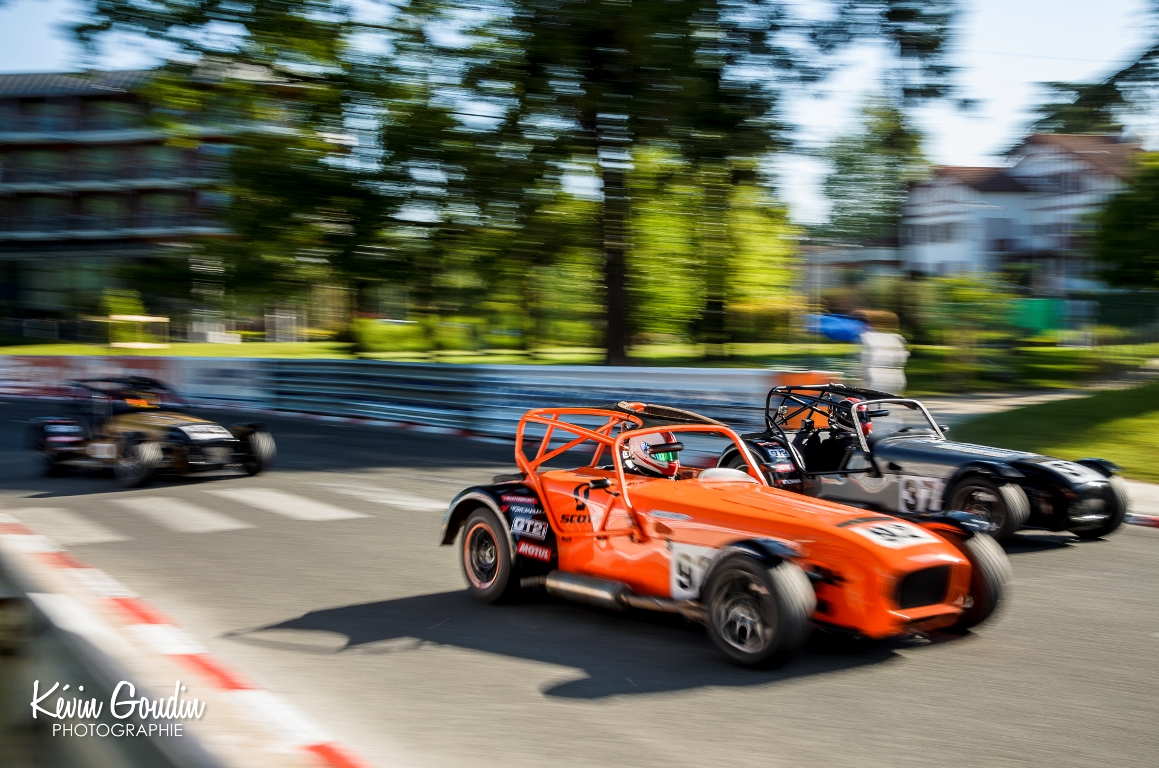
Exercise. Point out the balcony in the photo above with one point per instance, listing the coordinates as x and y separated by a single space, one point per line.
100 227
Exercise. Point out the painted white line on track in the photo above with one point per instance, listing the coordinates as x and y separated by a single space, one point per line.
180 515
387 496
287 504
68 528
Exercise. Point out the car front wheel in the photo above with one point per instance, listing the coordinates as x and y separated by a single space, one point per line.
1003 504
989 576
1118 504
259 451
758 616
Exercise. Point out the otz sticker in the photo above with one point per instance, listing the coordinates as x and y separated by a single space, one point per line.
526 526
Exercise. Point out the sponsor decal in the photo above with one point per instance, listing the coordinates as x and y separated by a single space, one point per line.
527 549
895 535
61 428
81 716
526 526
574 519
687 569
919 494
669 515
512 498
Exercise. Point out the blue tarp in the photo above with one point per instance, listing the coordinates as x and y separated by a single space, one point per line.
836 327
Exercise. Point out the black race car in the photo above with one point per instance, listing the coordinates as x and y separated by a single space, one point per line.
883 452
138 426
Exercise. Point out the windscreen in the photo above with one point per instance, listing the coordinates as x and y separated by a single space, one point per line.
898 418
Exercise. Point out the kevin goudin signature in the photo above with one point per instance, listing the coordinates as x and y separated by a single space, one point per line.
175 707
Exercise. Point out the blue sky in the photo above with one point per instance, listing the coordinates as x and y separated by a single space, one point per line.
1004 49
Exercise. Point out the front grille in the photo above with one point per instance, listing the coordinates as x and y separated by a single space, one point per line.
925 587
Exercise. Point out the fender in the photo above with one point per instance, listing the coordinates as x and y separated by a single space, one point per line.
241 430
1102 466
41 427
771 552
509 503
997 470
966 522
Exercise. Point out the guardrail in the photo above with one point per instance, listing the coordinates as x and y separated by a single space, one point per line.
484 399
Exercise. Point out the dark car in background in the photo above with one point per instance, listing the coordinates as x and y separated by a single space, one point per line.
137 427
883 452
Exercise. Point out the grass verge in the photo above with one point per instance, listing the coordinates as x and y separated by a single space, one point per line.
1120 425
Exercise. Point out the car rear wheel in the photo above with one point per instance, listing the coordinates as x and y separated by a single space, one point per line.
757 615
1118 501
1005 505
486 558
989 576
43 461
138 461
259 451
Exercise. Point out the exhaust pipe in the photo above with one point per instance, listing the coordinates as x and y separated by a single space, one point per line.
587 589
613 595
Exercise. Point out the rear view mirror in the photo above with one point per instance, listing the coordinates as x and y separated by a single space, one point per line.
944 427
665 448
600 482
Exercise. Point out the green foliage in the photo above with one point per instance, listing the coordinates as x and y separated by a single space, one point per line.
1081 108
1116 425
872 170
376 336
117 301
1127 238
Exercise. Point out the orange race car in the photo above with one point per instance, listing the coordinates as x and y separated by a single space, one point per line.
633 528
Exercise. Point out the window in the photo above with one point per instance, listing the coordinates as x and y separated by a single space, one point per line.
111 114
161 210
100 164
39 213
104 212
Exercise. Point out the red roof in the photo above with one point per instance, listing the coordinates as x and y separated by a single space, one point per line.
1106 153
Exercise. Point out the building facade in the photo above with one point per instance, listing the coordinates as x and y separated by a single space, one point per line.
1032 212
87 187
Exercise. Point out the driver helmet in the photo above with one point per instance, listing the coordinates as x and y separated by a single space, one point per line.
843 415
637 458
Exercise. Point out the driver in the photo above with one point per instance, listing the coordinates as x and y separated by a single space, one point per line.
638 460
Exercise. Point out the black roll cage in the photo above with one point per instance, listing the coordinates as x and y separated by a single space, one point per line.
823 399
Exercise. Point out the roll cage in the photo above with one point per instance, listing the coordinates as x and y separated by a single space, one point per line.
621 422
799 403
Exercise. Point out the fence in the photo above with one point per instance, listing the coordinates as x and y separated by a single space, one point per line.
485 399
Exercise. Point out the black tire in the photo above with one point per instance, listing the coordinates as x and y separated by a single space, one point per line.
259 451
1003 504
138 461
758 616
1118 501
44 463
989 579
485 554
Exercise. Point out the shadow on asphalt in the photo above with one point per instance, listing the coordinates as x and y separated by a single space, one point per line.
621 653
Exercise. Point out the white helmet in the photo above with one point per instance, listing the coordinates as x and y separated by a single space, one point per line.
637 458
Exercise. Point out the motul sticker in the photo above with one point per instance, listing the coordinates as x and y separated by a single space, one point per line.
897 535
527 549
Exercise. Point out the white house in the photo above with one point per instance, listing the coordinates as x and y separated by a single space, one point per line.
967 219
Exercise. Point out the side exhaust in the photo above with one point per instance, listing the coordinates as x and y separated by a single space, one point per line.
612 595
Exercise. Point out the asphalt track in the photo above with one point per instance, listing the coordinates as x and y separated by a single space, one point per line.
327 587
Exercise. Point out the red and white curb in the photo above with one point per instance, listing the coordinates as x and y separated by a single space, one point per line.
1151 521
245 726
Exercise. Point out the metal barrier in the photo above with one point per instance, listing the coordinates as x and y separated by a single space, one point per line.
486 399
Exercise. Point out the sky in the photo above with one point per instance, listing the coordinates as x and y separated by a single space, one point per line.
1004 49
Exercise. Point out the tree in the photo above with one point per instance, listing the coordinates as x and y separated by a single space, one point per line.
1081 108
598 79
1127 234
872 169
279 79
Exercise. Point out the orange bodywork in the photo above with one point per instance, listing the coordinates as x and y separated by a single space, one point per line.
660 535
